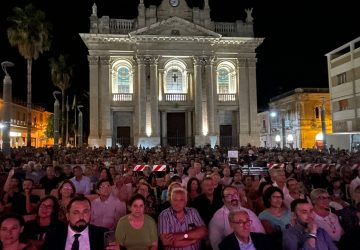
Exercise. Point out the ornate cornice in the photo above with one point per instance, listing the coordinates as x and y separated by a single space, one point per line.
104 60
93 60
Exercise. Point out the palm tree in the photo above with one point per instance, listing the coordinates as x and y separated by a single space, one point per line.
29 32
61 72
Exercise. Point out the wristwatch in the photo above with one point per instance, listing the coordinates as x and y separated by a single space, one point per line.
312 235
186 236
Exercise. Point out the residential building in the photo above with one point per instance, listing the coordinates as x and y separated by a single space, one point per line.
18 126
172 76
294 119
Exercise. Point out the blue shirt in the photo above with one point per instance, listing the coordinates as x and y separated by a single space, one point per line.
295 238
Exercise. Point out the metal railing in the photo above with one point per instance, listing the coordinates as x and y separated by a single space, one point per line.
124 141
175 97
226 97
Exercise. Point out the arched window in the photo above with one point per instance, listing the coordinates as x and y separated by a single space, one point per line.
226 78
175 77
122 77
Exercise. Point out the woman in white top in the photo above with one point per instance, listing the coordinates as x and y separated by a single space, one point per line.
323 216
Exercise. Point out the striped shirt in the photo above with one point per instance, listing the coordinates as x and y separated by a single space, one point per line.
168 223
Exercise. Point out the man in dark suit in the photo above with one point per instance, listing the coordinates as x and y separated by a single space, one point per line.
241 238
78 234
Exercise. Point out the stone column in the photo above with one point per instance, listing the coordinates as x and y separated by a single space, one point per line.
198 95
243 97
161 84
164 127
209 68
154 103
94 135
105 100
254 127
249 129
141 95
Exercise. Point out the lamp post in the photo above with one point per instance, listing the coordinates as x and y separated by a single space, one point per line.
67 121
80 125
7 97
323 124
56 119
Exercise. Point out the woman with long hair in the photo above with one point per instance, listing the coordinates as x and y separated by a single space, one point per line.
193 188
137 230
47 217
66 192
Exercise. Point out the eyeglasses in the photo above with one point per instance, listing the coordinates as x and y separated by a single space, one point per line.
243 223
47 207
229 196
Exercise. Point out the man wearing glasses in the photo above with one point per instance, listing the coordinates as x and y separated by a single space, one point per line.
242 238
219 226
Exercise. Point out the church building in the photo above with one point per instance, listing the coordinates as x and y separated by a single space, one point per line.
172 76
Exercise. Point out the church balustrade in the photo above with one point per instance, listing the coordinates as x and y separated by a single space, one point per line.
225 28
121 26
122 97
226 97
175 97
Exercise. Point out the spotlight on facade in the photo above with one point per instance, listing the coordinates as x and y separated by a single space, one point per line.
273 114
290 138
148 131
319 137
205 131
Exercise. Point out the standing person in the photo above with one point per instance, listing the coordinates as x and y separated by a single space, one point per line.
324 218
137 230
106 210
304 234
11 228
79 234
242 237
82 183
181 227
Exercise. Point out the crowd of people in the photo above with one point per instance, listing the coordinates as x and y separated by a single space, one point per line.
91 198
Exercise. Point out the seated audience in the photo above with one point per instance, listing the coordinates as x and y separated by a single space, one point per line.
242 237
324 218
11 228
174 232
304 234
137 230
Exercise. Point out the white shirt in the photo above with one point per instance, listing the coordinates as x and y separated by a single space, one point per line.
84 241
219 226
330 224
246 246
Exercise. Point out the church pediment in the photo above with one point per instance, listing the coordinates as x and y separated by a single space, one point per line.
175 26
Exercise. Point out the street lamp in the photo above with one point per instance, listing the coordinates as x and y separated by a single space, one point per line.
7 97
56 119
80 125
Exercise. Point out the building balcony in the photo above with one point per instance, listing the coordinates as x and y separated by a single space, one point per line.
226 97
175 97
119 97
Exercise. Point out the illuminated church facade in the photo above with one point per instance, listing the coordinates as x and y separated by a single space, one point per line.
172 76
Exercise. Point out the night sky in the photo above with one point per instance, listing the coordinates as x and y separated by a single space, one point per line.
297 35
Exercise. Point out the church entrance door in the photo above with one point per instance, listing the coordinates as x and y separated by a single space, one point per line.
176 130
123 136
226 135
